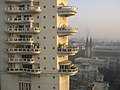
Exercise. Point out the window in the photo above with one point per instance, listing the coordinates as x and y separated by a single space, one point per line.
53 47
24 86
44 27
53 16
44 68
53 87
26 56
61 67
44 47
44 17
11 65
53 37
53 58
37 17
53 77
44 58
25 36
11 56
44 37
27 26
38 86
53 6
37 37
53 27
53 68
29 66
44 6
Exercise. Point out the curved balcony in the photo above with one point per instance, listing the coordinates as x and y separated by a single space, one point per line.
67 68
30 9
18 1
67 51
20 20
19 40
21 60
24 70
23 50
23 30
67 31
67 11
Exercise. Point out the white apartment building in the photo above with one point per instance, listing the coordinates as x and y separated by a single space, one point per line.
34 44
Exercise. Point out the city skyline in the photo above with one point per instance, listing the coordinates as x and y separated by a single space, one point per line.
97 18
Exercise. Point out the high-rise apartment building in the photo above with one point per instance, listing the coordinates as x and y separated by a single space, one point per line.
34 45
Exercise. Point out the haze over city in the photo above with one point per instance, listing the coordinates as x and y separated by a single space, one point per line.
97 18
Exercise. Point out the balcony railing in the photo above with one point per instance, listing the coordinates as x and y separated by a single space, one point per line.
18 1
67 11
30 9
71 71
23 50
19 40
24 70
23 30
68 50
67 31
20 20
20 60
66 67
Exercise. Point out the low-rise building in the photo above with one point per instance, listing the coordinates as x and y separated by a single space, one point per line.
98 85
88 76
111 52
87 72
107 63
93 61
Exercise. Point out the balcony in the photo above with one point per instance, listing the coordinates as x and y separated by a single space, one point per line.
67 50
67 68
30 9
21 60
67 11
18 1
62 31
23 50
24 70
23 30
20 20
19 40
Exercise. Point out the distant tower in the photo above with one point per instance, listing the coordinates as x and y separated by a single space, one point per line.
88 47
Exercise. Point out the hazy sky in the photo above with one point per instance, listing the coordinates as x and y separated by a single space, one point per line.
97 18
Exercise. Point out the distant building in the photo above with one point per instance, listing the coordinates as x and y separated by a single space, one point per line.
99 77
107 63
88 78
92 61
87 73
109 52
98 85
